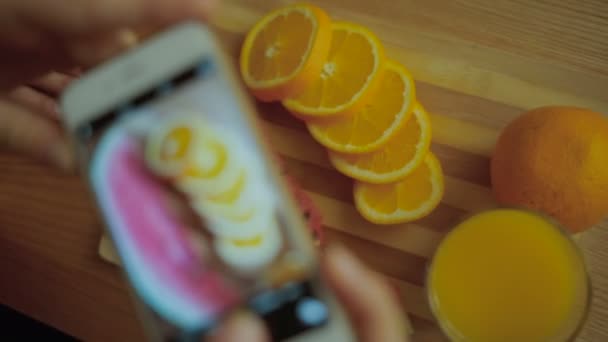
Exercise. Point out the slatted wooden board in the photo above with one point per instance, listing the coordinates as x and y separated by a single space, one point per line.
478 64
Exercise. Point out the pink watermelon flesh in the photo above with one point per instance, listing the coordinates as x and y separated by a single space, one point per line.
158 258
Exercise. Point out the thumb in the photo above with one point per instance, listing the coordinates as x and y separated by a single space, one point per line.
367 298
241 327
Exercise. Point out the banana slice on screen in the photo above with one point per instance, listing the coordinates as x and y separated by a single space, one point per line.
215 165
238 223
211 172
250 255
169 144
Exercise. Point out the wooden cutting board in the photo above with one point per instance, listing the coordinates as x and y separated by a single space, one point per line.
478 64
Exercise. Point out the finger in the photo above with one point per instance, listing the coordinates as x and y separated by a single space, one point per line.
24 132
147 30
53 83
74 72
373 310
25 67
241 327
35 101
92 50
69 17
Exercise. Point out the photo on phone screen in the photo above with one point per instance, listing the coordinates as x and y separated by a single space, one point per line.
194 210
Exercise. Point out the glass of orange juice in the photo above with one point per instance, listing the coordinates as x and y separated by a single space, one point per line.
508 275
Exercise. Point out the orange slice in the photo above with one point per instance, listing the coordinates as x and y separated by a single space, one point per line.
373 125
285 51
350 77
409 199
400 156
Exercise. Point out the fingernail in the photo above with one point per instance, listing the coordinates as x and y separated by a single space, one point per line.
61 156
76 71
127 38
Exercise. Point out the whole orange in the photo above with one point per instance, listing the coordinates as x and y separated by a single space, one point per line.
555 160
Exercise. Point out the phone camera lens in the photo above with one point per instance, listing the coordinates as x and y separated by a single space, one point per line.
311 311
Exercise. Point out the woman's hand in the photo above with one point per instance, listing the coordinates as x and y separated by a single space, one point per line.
368 300
42 41
37 36
29 117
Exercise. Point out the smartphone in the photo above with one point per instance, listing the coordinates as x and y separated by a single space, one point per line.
190 195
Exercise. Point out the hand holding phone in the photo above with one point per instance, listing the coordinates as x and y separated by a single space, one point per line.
169 120
369 302
44 42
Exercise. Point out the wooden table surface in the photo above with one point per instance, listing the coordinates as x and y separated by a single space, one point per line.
478 64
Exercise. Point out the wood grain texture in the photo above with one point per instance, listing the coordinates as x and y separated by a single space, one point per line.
478 64
49 268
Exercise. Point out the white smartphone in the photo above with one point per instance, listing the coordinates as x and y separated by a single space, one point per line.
191 198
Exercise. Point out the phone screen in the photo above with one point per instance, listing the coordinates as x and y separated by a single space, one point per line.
198 219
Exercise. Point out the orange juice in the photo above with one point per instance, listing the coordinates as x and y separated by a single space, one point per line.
508 275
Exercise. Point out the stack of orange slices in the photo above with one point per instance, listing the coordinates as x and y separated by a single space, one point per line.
356 102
